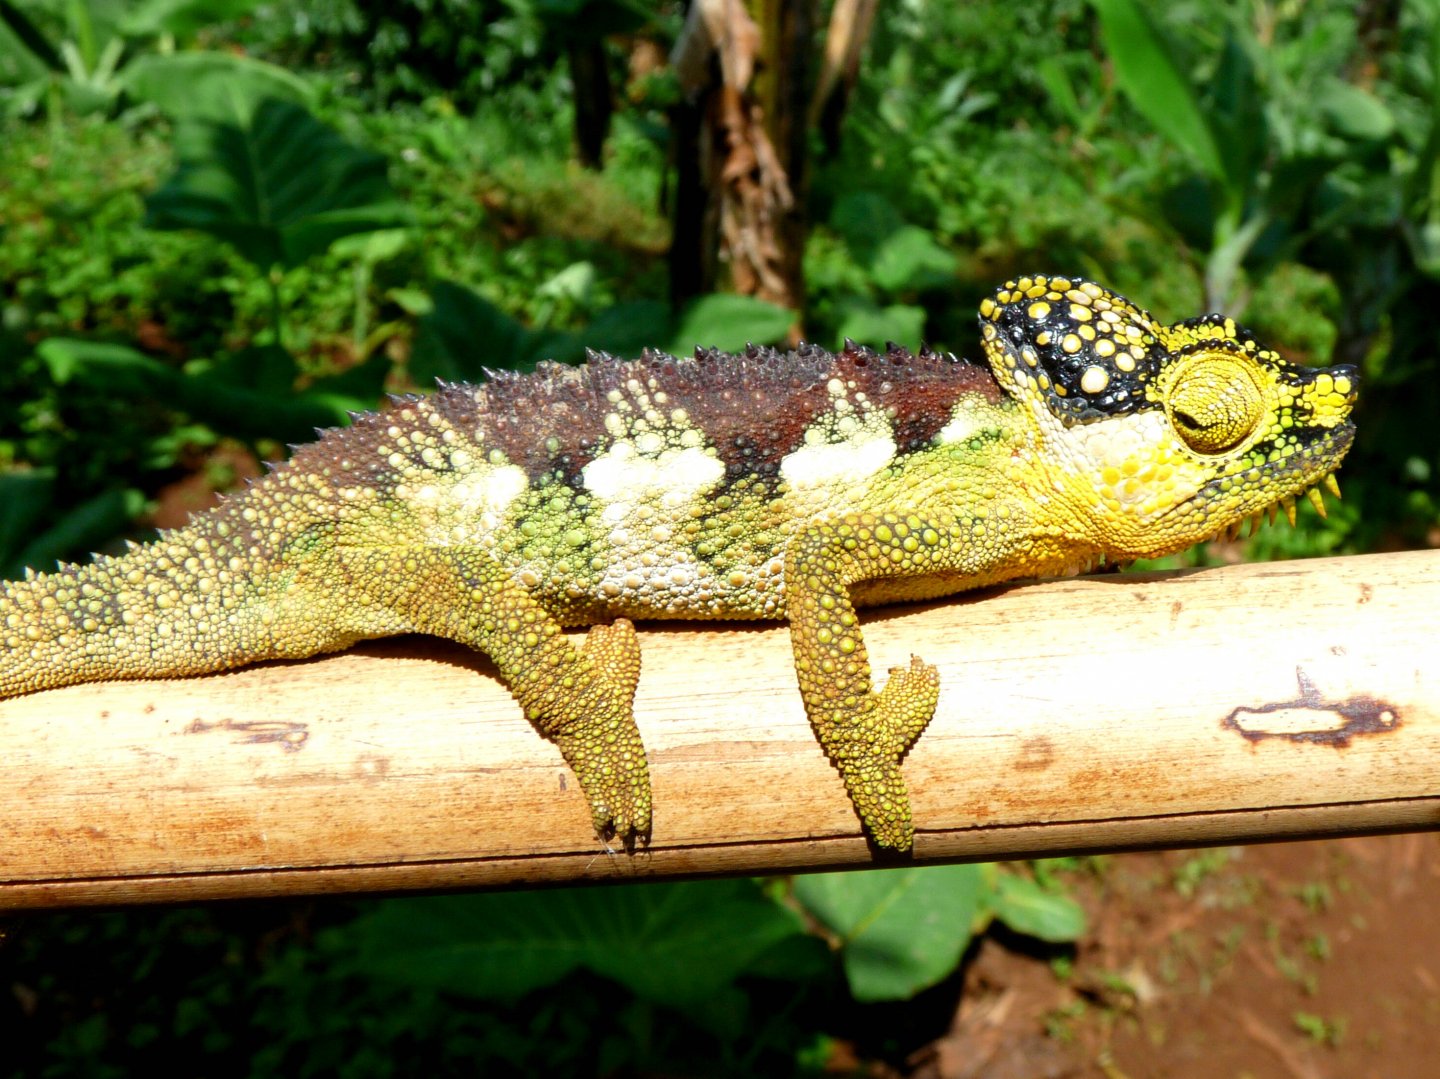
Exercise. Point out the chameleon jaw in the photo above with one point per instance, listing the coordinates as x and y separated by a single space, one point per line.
1330 448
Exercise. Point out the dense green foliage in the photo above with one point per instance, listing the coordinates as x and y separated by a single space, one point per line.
225 222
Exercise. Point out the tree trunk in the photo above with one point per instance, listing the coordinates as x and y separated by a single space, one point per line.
741 150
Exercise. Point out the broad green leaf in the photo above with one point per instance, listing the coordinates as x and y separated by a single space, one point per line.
1355 113
864 219
25 53
862 321
81 529
627 328
909 259
181 17
727 321
1150 75
1033 911
901 930
119 369
1236 118
280 188
220 87
248 394
673 944
24 498
373 247
1052 75
463 334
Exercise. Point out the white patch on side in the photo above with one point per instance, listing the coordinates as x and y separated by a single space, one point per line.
646 490
474 507
672 477
963 426
859 451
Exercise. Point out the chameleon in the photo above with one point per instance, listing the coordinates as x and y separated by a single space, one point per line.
796 485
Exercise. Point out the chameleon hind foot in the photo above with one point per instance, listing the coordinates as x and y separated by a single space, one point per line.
603 747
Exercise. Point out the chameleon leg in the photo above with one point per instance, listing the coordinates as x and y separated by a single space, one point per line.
864 732
582 699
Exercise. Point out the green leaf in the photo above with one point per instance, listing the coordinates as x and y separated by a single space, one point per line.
24 498
1033 911
182 18
679 945
373 247
626 328
248 394
910 259
29 53
81 529
118 369
1150 75
1354 113
727 321
862 321
901 930
280 188
463 334
220 87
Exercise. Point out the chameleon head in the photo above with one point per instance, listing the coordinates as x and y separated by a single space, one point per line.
1157 436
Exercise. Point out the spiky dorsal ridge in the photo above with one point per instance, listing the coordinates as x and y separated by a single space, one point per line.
753 406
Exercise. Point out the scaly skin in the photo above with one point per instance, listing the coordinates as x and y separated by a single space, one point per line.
763 485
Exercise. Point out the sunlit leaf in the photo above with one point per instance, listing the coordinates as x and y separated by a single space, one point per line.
1033 911
220 87
673 944
901 930
280 188
1150 75
727 321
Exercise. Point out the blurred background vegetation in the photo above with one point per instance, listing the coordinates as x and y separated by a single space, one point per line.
224 223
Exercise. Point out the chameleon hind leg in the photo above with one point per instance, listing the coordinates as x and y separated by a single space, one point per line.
864 732
582 699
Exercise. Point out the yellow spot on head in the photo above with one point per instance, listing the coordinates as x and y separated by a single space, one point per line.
1071 343
1039 310
1095 379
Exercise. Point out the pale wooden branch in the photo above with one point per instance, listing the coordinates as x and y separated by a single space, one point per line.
1253 702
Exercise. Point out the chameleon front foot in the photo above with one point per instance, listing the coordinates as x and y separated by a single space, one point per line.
869 752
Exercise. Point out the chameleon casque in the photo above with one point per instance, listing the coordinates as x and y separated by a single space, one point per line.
765 485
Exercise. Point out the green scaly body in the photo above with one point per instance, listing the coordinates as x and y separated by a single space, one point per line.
789 486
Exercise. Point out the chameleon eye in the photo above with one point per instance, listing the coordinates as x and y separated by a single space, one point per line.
1215 401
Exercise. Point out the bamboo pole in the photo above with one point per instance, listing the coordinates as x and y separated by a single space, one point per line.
1101 713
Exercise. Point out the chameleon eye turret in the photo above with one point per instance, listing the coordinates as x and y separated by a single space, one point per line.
796 486
1215 399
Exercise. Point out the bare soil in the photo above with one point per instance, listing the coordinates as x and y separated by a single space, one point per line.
1313 960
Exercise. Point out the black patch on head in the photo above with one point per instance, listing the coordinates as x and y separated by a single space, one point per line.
1097 349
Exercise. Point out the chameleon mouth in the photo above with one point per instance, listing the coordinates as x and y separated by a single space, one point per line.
1314 466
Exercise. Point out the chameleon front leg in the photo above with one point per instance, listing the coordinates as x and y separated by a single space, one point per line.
582 699
864 732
